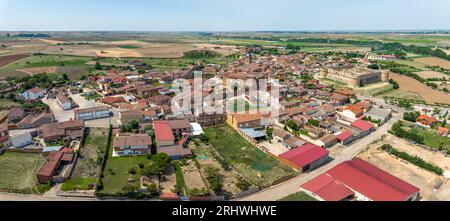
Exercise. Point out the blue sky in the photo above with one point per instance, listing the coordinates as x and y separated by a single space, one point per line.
223 15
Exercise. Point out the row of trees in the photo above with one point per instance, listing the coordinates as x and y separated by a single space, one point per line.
413 159
399 131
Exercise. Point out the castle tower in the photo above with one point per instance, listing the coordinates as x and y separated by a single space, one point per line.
385 76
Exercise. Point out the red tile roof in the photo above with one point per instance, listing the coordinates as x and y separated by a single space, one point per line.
163 132
344 135
363 125
305 155
327 188
372 182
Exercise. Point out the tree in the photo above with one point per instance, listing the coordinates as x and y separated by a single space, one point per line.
291 124
65 77
153 189
98 66
313 122
214 178
411 116
269 133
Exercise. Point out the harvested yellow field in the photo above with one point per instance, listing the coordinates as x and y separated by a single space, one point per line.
433 61
431 74
430 96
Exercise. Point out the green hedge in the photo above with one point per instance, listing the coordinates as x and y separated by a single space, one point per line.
417 161
104 159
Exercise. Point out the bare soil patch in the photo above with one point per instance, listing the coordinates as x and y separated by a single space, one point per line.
433 61
431 74
5 60
406 171
411 85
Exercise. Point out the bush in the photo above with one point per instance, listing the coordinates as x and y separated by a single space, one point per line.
411 116
243 184
214 178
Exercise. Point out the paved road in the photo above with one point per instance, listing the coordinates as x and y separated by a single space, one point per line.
21 197
292 186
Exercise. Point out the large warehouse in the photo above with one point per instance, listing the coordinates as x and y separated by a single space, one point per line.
360 180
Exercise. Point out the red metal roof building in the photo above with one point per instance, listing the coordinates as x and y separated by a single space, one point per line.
368 182
345 137
306 157
363 125
326 188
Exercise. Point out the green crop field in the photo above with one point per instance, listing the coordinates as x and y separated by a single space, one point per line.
18 170
252 163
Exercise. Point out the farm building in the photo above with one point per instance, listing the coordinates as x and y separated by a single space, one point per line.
92 113
364 180
306 157
364 126
345 137
52 166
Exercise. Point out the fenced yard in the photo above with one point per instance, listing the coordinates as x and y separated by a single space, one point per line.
256 166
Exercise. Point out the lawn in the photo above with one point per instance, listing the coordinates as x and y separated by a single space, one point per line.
252 163
18 170
299 196
116 174
431 139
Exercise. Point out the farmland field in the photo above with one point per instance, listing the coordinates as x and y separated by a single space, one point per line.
73 66
256 166
5 60
410 85
18 170
432 61
431 74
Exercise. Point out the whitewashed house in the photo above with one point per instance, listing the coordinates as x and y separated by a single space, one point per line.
64 102
21 140
34 93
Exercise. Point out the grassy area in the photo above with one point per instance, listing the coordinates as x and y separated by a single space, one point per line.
181 185
116 174
431 139
18 170
67 64
91 97
6 104
88 165
252 163
78 184
299 196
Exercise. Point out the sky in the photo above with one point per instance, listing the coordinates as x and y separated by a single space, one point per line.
223 15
